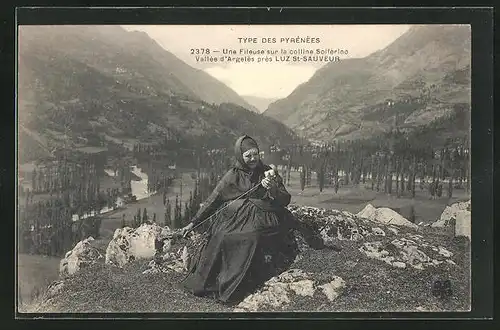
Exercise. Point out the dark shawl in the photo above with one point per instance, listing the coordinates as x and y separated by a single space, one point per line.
239 180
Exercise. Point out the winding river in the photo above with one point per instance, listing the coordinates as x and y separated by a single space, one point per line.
139 189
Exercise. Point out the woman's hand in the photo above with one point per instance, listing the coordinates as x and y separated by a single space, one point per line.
268 183
186 229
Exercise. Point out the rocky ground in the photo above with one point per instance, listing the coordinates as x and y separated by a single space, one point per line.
371 261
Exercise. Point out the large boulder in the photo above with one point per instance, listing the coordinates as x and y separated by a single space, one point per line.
386 216
82 255
278 292
458 217
333 225
129 244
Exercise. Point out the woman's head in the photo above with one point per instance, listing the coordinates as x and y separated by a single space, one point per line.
251 157
247 152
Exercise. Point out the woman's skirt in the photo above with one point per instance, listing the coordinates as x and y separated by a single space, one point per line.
244 249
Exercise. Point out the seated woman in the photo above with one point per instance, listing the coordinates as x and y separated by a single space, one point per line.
249 239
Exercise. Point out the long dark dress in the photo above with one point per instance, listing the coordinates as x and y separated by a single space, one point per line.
249 241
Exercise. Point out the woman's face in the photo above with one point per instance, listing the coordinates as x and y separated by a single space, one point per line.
251 157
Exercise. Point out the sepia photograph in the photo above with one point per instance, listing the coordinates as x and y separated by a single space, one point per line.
243 168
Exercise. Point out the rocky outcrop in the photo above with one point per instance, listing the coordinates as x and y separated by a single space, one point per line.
403 252
334 225
382 234
458 217
281 290
371 255
330 225
130 244
82 255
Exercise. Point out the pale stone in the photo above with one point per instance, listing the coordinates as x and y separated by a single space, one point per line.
369 212
303 287
275 292
385 215
131 244
393 230
82 255
377 231
418 266
462 223
185 258
406 252
334 288
399 264
444 252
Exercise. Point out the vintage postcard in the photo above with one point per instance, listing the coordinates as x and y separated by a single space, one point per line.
244 168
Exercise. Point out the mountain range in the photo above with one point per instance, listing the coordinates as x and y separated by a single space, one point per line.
82 85
422 76
85 85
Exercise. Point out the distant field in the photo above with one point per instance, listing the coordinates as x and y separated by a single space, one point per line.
354 198
35 273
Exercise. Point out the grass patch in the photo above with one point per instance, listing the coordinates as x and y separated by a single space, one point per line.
374 286
105 288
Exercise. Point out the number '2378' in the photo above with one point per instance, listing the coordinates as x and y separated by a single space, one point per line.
200 51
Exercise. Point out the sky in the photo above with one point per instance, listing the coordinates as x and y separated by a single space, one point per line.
279 77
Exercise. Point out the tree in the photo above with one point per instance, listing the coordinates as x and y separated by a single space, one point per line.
191 202
432 189
289 169
371 172
450 187
398 174
412 176
176 220
303 178
321 177
439 189
34 180
187 214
